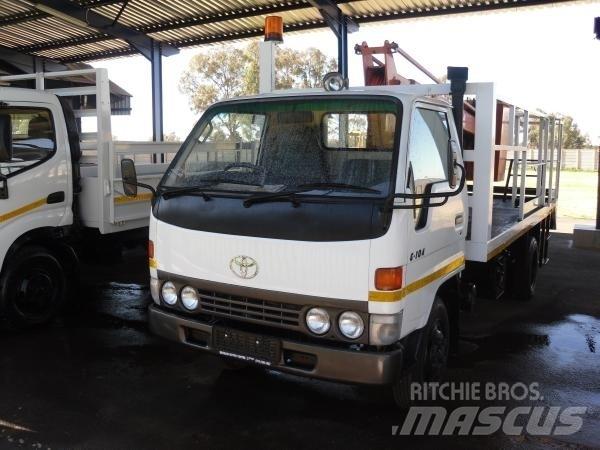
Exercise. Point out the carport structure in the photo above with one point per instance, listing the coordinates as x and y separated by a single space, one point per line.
47 35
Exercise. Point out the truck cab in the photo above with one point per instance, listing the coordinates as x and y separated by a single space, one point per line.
60 188
315 233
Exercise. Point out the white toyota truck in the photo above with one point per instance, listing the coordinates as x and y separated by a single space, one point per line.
60 188
336 234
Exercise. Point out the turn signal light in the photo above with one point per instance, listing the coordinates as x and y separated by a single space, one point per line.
150 250
389 279
274 28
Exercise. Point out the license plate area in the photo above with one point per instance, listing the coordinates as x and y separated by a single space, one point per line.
245 346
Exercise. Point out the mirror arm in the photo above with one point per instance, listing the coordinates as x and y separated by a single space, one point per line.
143 185
444 195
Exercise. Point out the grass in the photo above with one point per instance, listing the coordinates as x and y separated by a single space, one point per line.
577 194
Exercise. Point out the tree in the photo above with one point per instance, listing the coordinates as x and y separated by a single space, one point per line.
171 137
229 72
572 136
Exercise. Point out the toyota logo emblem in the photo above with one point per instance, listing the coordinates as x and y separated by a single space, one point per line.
244 267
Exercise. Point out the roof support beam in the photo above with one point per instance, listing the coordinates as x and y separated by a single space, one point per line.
15 62
21 17
156 27
62 43
341 25
333 15
83 17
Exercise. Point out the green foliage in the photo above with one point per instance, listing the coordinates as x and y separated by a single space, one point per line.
228 72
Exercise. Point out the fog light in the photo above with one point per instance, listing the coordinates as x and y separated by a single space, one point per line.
385 328
169 293
351 325
155 290
317 320
189 298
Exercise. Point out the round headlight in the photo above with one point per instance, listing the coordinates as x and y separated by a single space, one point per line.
351 325
169 293
317 320
334 81
189 297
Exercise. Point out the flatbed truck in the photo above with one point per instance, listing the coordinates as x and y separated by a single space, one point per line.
337 234
60 190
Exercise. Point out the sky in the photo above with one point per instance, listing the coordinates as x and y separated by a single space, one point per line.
540 57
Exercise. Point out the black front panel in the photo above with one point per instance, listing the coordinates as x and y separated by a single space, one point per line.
316 219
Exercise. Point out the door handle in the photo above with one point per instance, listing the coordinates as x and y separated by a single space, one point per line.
459 222
3 187
56 197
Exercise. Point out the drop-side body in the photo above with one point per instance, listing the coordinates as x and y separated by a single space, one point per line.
60 189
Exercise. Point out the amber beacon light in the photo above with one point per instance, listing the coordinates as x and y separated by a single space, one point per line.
274 28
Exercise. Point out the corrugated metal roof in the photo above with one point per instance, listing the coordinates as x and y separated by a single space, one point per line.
184 23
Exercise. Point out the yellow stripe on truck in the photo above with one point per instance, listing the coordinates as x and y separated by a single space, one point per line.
137 198
394 296
22 210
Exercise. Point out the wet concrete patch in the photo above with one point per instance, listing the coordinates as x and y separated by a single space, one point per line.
97 379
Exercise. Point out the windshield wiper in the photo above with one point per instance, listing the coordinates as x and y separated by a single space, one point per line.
341 186
172 192
289 195
307 187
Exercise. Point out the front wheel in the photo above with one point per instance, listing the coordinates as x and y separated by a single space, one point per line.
432 355
33 287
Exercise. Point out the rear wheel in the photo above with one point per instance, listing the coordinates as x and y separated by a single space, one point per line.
525 269
33 287
432 356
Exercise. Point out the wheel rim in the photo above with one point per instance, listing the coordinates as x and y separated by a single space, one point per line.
37 292
437 355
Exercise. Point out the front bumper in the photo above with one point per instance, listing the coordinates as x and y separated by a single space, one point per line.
335 364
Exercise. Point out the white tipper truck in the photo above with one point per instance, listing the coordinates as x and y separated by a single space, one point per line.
336 234
60 187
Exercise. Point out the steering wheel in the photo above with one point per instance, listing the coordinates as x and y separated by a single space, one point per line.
259 170
31 154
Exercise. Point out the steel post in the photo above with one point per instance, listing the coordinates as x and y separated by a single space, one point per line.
157 97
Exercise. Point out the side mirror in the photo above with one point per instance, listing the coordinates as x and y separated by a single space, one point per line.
453 150
129 176
6 150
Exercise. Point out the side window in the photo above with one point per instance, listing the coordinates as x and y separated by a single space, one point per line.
428 147
33 138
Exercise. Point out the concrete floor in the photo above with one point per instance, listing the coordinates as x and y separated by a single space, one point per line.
97 379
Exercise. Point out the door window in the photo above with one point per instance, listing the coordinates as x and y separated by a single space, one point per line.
428 155
33 138
428 148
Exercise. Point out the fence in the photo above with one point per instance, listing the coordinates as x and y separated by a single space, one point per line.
581 158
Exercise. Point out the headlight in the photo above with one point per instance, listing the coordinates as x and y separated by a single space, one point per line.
351 325
385 328
169 293
317 320
189 297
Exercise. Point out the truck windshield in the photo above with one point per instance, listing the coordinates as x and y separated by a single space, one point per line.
338 145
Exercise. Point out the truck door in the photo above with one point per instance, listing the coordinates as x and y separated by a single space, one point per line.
435 241
34 180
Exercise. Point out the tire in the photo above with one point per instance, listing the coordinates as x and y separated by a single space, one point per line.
525 269
33 287
432 356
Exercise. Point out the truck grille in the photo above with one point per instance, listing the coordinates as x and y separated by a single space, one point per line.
237 307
